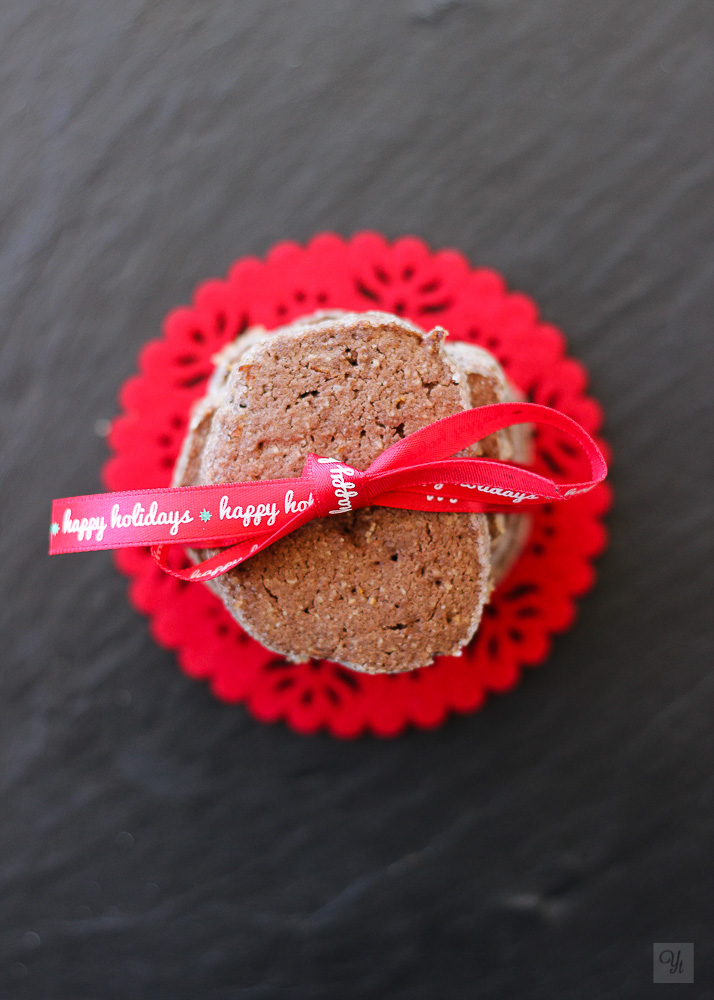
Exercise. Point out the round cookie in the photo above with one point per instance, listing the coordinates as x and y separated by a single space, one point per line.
377 589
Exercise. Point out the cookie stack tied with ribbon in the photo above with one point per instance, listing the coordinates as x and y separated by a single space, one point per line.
377 589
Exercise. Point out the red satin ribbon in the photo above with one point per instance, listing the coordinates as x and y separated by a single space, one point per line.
416 473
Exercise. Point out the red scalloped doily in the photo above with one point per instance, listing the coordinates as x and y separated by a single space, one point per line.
538 597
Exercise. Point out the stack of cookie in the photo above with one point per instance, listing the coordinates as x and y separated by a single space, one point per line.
377 589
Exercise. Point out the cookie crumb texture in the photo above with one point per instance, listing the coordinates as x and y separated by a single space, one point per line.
377 590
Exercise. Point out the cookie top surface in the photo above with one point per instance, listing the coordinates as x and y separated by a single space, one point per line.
347 387
377 589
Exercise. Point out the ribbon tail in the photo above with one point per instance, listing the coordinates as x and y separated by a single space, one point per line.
444 503
229 558
460 476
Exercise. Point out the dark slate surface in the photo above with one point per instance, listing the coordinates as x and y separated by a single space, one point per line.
154 843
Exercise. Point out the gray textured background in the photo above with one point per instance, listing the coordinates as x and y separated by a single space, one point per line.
154 843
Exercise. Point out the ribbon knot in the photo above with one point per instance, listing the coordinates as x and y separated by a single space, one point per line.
338 488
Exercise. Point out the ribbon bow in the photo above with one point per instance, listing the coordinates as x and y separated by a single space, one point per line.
416 473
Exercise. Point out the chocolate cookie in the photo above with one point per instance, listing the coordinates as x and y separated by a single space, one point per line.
377 589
